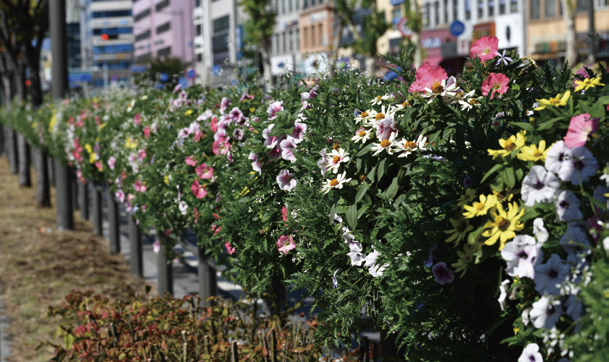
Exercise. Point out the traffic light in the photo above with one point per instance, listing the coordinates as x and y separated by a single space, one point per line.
106 37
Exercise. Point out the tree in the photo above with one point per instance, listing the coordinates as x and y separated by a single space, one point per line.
568 15
259 29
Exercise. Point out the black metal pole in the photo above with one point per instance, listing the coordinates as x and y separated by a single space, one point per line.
135 251
208 281
97 210
83 198
115 242
165 267
592 30
65 213
75 200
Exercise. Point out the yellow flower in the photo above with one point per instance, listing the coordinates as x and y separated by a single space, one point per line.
587 83
554 102
101 126
470 195
252 110
465 257
88 148
188 112
53 121
459 231
92 158
509 145
480 208
130 143
534 153
166 179
503 195
504 224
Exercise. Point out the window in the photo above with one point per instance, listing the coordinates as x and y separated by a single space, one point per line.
163 28
513 6
290 9
491 8
427 14
141 15
114 65
283 6
320 33
297 39
165 52
535 9
142 36
113 31
501 7
582 5
283 42
112 49
197 3
291 41
199 57
602 3
396 15
163 4
468 10
480 9
199 30
455 9
110 14
313 38
436 13
221 24
550 9
445 11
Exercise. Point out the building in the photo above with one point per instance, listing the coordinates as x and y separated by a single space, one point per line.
392 40
163 29
107 40
285 43
546 30
315 23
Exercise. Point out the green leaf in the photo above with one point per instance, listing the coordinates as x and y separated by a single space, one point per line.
392 189
380 170
507 174
364 150
352 216
361 192
491 171
526 126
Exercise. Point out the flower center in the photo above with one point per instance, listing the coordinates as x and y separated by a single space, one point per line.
553 274
509 146
473 101
385 143
537 153
406 104
554 101
364 114
336 159
334 182
479 206
503 224
496 86
410 145
362 134
437 87
378 98
379 116
501 195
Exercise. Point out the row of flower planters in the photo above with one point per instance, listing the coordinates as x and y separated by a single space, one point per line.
466 215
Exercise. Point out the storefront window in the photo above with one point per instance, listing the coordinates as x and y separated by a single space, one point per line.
535 9
491 8
480 9
550 9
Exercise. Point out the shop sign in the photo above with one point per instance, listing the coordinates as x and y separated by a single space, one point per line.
480 30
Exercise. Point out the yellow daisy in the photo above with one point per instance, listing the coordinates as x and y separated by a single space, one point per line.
509 145
554 102
480 208
470 195
459 231
587 83
465 257
534 153
503 195
504 224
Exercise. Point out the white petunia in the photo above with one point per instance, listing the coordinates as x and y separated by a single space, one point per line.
539 186
183 207
580 166
531 354
385 128
567 207
522 255
549 276
355 253
287 149
546 312
557 154
540 232
286 180
503 293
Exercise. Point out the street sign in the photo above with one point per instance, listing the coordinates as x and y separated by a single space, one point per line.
191 73
404 29
457 28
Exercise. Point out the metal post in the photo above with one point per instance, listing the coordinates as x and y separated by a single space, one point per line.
51 171
63 194
164 266
59 50
115 241
83 198
208 281
74 183
97 210
135 252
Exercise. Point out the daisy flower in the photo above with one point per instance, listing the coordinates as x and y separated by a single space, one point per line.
480 208
460 230
336 158
408 147
533 153
384 145
587 83
361 134
559 100
504 224
336 183
509 145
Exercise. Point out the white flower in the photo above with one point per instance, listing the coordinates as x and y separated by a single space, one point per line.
567 207
385 145
336 183
357 258
323 162
269 141
299 131
286 180
557 154
531 353
336 158
539 186
409 147
274 108
256 164
606 244
522 255
373 268
575 240
503 293
545 312
385 128
378 100
540 231
549 276
183 207
361 134
287 149
580 166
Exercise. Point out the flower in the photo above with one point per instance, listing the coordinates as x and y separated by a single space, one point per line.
225 103
190 161
580 128
385 127
480 208
229 248
459 231
503 293
556 155
355 254
587 83
484 48
256 164
408 147
550 275
531 354
336 183
361 135
287 149
286 180
139 186
299 131
567 207
539 186
120 196
374 269
111 162
384 145
156 246
465 257
198 190
575 241
521 256
509 145
495 83
442 274
533 153
540 231
269 141
426 76
578 167
183 207
502 58
323 162
273 109
336 158
545 312
504 225
554 102
285 243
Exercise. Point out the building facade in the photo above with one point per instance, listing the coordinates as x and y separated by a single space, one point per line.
163 28
285 42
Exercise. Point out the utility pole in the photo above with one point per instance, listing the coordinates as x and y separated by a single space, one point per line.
63 180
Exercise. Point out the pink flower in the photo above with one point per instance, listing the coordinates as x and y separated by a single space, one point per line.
274 154
484 48
190 161
146 131
204 172
269 141
230 249
220 147
99 166
284 214
579 129
286 180
287 149
215 229
285 243
426 76
196 214
198 190
111 162
235 115
298 132
224 104
139 186
495 83
442 274
120 195
137 119
214 124
273 109
199 135
141 154
156 246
